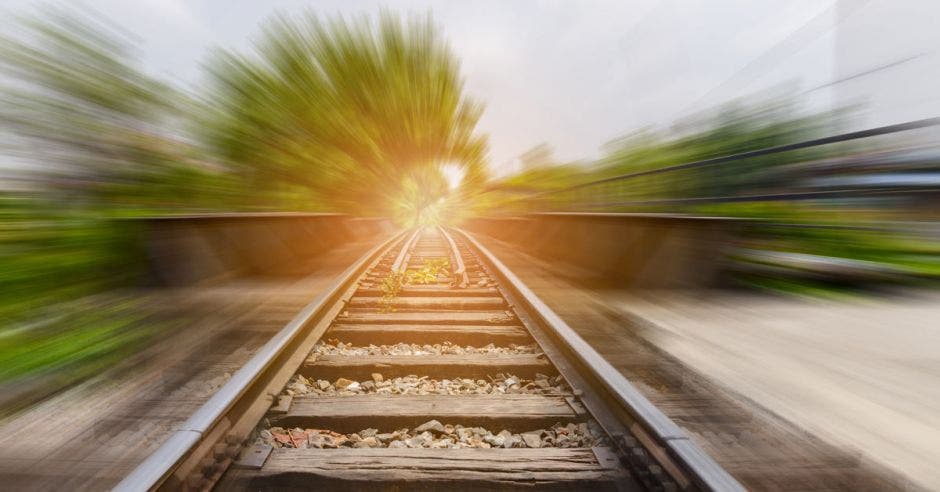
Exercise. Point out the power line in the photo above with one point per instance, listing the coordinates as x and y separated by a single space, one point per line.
793 42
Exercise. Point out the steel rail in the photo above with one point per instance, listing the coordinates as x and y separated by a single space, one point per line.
704 471
161 464
459 267
401 262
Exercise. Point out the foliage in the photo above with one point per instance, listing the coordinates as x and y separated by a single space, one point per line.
394 282
352 116
94 130
53 343
391 286
429 271
96 139
762 121
48 255
362 114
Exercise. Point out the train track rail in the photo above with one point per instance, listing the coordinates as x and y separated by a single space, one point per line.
428 364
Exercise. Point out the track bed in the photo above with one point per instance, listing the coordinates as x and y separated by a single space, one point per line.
423 370
410 406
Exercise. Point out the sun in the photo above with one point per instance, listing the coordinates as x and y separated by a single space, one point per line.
454 174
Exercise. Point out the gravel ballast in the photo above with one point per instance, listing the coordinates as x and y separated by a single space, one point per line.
433 434
339 348
424 385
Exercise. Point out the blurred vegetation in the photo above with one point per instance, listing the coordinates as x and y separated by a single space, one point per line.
764 120
367 116
867 241
358 116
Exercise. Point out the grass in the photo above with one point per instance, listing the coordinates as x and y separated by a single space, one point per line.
81 338
393 282
56 328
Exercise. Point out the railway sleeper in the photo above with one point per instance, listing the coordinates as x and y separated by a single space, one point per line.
458 303
360 334
519 412
429 318
429 291
466 366
563 456
421 469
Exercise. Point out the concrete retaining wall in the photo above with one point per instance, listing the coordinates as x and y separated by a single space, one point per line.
184 250
632 250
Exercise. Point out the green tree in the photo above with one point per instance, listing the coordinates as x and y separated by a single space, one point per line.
94 130
350 110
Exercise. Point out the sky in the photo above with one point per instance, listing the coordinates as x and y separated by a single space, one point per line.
578 74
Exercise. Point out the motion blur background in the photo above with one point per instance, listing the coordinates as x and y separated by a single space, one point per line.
115 112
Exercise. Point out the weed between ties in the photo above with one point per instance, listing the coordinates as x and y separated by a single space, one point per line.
393 282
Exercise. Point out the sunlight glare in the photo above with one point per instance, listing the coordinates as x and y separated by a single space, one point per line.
454 174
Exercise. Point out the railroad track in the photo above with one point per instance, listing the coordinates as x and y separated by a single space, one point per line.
428 364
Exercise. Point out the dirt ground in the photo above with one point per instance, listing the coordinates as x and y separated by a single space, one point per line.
787 394
862 374
91 435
